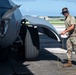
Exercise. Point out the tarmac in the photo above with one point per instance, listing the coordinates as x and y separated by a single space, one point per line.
49 62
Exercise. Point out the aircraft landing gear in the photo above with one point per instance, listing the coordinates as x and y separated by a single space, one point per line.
30 38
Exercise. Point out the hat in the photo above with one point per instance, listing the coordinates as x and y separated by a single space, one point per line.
65 10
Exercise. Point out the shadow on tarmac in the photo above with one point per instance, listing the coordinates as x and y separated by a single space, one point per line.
14 66
46 55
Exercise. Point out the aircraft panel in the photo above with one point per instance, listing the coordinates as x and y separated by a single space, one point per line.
47 27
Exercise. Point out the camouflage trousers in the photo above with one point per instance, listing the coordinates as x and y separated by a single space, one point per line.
71 45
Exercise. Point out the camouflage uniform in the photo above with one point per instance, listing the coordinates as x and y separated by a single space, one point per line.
71 42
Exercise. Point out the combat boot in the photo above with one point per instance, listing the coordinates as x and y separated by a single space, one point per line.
69 64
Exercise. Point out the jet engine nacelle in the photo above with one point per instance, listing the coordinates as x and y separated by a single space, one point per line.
10 18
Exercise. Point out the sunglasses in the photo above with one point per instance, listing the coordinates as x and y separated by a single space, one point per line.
64 12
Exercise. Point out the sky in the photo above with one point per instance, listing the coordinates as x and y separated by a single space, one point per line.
46 7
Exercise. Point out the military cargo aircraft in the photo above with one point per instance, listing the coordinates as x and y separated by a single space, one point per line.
14 31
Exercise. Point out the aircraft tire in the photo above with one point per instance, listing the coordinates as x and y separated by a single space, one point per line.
31 43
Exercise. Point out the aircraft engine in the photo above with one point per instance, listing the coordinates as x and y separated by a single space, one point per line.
10 18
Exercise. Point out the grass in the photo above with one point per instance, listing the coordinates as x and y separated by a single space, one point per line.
56 22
